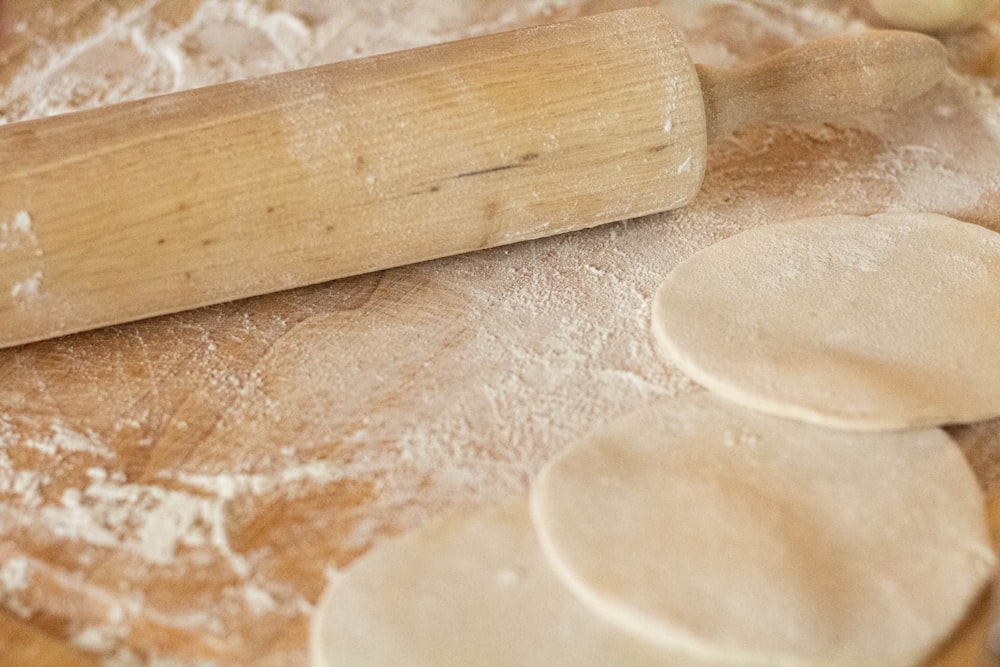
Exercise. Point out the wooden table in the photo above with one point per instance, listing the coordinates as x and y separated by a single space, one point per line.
183 487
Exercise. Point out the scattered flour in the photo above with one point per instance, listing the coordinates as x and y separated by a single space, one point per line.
147 520
98 639
258 600
14 578
542 341
141 51
22 224
28 288
18 239
18 231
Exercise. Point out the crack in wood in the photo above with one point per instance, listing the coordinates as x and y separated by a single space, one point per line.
489 170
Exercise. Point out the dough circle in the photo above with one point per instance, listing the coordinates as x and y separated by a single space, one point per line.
749 539
872 323
933 15
469 590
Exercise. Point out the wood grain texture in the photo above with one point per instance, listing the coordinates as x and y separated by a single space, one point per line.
207 196
184 486
23 643
847 75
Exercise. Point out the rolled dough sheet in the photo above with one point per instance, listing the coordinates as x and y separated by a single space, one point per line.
933 15
871 323
748 539
469 590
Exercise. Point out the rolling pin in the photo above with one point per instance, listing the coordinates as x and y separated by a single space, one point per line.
211 195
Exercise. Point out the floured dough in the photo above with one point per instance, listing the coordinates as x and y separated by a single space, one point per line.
871 323
749 539
473 590
933 15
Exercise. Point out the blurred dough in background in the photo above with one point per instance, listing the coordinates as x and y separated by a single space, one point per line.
933 15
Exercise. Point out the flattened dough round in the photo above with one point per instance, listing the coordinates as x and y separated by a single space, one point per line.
745 538
875 323
933 15
469 590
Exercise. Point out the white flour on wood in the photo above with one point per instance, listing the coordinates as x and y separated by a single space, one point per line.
18 242
524 349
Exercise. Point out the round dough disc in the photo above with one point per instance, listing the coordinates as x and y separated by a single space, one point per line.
875 323
470 590
745 538
933 15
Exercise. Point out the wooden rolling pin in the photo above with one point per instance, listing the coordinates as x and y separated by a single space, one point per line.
211 195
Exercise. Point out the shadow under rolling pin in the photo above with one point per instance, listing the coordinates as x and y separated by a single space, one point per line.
231 191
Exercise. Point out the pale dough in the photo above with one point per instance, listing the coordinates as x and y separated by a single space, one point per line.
933 15
472 590
746 538
884 322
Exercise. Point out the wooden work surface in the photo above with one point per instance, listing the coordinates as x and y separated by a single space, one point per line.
181 488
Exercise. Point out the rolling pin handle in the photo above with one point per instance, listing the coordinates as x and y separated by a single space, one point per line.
839 76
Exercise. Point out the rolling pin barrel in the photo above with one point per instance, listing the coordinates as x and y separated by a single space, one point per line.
251 187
